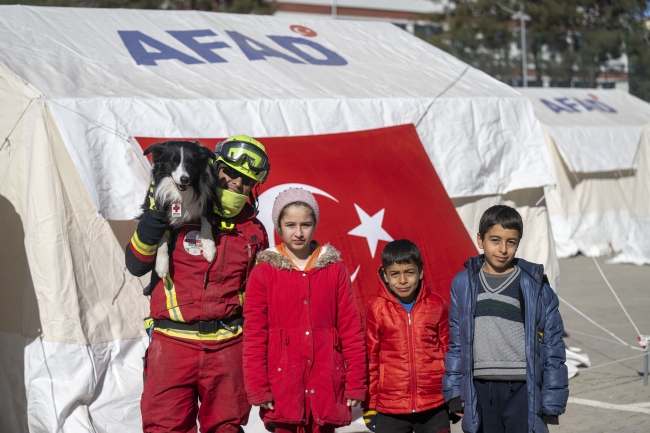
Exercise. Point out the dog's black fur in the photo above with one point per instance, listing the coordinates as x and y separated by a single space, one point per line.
199 185
182 173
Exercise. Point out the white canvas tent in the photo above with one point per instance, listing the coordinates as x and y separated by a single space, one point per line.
594 138
637 246
76 85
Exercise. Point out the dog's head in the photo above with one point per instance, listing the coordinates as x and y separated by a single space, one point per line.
179 164
182 173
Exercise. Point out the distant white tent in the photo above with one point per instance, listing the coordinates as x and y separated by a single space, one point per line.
76 85
594 139
637 247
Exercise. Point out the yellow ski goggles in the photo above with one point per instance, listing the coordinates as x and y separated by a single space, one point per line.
244 157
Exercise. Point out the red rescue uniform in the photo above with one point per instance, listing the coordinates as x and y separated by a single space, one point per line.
184 366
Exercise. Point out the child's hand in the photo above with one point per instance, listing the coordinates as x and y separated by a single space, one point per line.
460 414
268 405
353 403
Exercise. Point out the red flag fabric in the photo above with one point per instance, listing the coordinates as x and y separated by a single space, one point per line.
372 187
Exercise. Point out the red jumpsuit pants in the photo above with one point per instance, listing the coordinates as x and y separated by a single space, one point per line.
178 377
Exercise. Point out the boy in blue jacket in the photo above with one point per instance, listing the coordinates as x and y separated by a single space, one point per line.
505 371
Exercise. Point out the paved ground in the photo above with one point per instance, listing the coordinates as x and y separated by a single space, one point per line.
610 398
617 384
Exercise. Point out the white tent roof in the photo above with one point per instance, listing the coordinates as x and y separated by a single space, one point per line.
251 74
596 133
594 130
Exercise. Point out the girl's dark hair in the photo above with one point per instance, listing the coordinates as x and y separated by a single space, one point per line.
505 216
401 251
297 203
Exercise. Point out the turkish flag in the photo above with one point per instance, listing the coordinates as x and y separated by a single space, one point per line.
372 187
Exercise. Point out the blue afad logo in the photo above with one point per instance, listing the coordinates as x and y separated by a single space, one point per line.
577 105
304 50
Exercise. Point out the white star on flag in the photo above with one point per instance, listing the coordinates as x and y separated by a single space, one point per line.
371 229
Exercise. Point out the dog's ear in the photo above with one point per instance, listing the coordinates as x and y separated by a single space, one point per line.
207 153
154 148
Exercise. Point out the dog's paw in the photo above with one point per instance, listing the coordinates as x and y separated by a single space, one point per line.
162 261
209 249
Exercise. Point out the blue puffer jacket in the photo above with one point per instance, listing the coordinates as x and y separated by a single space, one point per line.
546 375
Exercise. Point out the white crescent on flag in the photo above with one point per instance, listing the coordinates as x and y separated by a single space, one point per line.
267 198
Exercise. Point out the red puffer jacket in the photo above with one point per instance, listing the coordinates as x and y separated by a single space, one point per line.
303 335
406 352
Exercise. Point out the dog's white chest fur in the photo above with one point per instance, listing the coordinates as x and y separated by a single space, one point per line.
191 208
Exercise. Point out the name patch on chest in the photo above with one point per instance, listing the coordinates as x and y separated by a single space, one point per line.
192 243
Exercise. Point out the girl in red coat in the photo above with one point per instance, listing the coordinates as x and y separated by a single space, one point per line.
304 351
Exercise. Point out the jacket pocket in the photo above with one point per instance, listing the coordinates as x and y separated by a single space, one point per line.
278 340
338 377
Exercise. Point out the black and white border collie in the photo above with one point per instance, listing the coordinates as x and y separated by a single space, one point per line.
184 186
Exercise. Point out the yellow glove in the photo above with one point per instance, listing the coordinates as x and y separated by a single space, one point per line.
370 418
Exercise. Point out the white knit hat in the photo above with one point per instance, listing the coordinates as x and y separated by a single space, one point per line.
293 195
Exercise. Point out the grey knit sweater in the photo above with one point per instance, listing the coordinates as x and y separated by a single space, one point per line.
499 339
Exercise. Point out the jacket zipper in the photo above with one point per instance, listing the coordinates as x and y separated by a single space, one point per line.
205 276
412 359
535 335
471 343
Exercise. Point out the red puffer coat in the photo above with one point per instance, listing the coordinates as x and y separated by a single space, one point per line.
406 352
303 335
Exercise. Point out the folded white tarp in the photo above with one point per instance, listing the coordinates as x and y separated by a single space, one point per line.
593 137
77 84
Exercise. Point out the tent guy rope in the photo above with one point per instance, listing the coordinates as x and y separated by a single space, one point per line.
94 122
643 340
616 296
445 90
616 361
6 140
598 325
574 331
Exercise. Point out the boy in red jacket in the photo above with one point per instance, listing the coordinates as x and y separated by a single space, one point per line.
407 335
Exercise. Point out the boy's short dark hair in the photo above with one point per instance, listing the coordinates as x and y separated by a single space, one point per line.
401 251
505 216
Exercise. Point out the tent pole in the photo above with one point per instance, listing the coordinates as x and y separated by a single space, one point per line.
645 368
524 72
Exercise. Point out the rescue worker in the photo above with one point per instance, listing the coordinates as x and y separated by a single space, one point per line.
196 324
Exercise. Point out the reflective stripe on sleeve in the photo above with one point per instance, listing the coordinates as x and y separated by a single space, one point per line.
141 247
